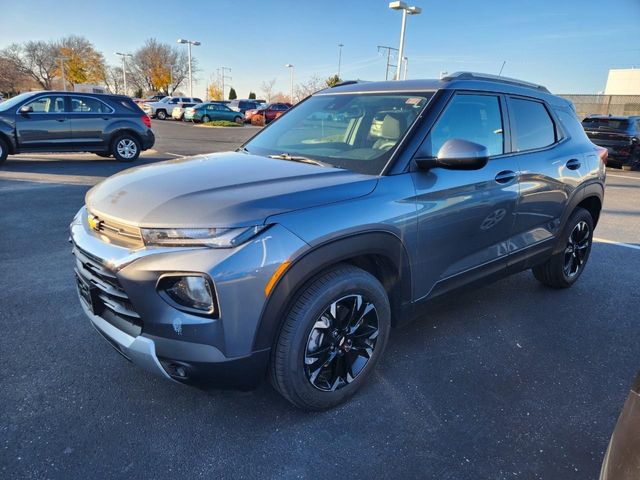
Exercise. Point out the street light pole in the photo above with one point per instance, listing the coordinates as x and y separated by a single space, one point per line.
189 43
224 77
64 82
124 68
340 45
290 67
406 67
406 10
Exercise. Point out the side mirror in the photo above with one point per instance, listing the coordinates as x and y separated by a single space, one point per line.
456 154
26 109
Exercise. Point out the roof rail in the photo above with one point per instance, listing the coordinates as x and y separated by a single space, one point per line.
493 78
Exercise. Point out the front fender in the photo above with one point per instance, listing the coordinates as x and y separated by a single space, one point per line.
380 243
7 131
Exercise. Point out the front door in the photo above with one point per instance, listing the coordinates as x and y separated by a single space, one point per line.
465 218
46 126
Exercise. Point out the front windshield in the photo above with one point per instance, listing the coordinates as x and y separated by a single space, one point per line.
355 131
165 99
15 101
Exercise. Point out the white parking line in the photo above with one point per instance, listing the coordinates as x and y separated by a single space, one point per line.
620 244
174 154
623 176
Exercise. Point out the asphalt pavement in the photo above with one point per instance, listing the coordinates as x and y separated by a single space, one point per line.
510 381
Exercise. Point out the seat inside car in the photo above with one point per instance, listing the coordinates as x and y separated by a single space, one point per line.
392 127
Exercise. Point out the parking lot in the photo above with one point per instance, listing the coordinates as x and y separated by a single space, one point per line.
514 380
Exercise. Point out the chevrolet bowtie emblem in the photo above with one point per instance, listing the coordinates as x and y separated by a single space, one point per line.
94 222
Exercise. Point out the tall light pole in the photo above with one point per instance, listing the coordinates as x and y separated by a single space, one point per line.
224 77
340 45
124 68
290 67
405 60
189 43
64 82
406 10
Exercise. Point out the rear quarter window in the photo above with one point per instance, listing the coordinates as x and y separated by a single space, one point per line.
533 127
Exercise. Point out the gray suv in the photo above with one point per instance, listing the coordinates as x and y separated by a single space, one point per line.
294 256
46 121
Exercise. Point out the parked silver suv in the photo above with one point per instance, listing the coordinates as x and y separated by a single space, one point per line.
295 255
162 109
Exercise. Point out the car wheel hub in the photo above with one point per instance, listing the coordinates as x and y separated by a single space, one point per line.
577 249
127 148
341 343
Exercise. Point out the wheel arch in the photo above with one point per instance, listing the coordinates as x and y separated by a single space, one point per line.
121 131
380 253
9 141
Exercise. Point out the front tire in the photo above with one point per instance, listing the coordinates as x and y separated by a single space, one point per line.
332 338
161 115
206 119
125 148
239 120
565 267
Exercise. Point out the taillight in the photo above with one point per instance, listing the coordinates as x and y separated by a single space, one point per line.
603 153
146 120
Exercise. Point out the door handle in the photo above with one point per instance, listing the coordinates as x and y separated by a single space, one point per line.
506 176
573 164
61 119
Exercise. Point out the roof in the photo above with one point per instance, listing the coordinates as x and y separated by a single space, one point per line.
458 81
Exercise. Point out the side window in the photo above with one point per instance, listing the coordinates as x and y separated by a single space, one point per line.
475 118
174 100
88 105
637 125
532 125
50 104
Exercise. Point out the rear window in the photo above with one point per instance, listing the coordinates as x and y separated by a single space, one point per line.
533 127
610 123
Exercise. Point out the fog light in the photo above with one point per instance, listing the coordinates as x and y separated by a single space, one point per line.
191 292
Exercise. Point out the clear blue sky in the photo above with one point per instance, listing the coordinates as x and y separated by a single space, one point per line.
568 45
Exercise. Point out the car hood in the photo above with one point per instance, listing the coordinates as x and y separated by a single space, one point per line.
221 190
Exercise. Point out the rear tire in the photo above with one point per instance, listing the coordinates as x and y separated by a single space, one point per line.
125 148
565 267
4 150
332 338
161 114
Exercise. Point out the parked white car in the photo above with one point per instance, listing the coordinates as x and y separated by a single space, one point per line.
163 109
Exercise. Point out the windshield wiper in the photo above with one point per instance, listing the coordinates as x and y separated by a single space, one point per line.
295 158
242 149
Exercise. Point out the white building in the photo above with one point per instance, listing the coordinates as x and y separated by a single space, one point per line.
623 81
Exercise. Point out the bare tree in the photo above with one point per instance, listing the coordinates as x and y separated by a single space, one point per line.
113 79
311 86
12 79
37 60
266 87
158 67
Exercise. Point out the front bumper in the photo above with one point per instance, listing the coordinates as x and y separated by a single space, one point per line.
152 334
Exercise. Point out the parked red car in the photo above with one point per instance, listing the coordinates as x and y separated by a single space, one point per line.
270 111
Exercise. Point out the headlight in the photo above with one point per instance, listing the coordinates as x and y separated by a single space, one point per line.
207 237
190 293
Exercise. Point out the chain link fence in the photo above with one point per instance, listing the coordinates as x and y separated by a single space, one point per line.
605 104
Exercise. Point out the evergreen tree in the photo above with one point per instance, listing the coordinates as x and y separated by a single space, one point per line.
232 94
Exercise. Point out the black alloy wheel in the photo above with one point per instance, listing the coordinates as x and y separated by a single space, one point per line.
341 342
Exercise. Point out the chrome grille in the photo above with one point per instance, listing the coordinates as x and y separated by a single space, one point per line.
118 309
117 233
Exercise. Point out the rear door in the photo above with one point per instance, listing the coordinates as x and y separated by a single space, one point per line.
89 119
465 218
46 126
551 168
